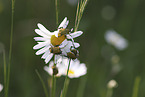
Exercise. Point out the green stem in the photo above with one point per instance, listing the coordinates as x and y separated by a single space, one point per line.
42 82
136 86
10 51
109 92
53 85
5 73
56 8
65 82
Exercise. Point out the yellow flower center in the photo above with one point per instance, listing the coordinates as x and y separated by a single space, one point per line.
71 72
55 41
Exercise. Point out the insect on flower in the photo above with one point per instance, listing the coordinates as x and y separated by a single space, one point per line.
51 43
55 50
63 31
55 70
73 54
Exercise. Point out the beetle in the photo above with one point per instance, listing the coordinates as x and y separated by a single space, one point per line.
55 50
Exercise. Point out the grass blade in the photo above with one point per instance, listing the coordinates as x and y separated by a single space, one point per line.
10 50
136 86
42 82
5 73
81 87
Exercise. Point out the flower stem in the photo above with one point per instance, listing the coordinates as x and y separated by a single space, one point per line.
136 86
66 82
53 85
44 87
56 8
10 50
109 92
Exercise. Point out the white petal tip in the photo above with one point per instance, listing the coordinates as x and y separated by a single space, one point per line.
39 24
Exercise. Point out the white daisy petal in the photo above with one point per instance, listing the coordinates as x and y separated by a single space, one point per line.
57 57
45 54
39 32
76 45
48 58
48 69
56 33
75 34
40 38
64 43
63 23
41 51
42 28
41 44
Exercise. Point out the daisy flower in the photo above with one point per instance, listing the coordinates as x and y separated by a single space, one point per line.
51 43
76 69
116 40
59 69
1 87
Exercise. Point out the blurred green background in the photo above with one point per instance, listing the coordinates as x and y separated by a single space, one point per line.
127 17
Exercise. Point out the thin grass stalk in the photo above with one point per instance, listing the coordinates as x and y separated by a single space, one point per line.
81 87
5 73
42 82
77 12
56 8
10 50
63 94
136 86
82 6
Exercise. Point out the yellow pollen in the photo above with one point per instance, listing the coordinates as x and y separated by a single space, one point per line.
55 41
71 72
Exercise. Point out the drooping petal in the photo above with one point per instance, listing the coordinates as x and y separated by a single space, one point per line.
74 35
41 51
48 58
